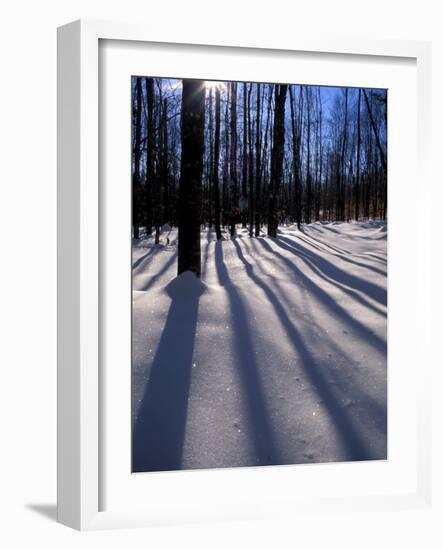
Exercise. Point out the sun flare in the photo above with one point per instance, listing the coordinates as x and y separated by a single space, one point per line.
213 85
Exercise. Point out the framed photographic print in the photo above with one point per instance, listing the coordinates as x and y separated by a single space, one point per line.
259 318
230 234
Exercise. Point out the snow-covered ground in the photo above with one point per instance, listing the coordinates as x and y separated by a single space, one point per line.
278 355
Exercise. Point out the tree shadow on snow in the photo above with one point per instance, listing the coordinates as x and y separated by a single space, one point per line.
144 258
265 447
354 446
334 308
375 292
334 251
348 390
158 434
344 285
154 278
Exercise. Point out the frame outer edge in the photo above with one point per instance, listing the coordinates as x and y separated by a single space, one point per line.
78 247
89 366
68 276
425 255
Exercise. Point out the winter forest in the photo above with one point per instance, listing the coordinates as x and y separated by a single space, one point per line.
259 271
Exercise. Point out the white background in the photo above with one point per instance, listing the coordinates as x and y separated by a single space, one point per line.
28 276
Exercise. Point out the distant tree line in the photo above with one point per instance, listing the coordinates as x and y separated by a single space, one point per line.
260 155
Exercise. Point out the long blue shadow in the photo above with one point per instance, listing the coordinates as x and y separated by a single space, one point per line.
372 290
266 450
349 291
158 434
377 411
352 441
144 258
335 309
342 254
157 275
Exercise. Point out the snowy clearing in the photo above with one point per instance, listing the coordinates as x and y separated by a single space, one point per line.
278 355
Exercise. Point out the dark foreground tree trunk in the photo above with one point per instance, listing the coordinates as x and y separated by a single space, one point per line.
277 158
165 164
296 120
157 190
258 163
150 167
358 159
137 157
233 157
216 165
341 207
226 162
210 193
192 149
375 131
244 179
251 172
308 210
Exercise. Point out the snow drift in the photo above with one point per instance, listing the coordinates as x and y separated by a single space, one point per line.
278 355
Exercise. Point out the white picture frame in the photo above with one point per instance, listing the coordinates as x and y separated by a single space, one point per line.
79 277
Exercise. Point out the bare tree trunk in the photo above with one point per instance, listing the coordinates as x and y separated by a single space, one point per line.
375 131
309 175
384 181
225 205
319 184
192 150
258 163
376 181
251 171
326 189
137 156
150 164
344 145
368 175
233 157
266 140
245 161
296 142
358 158
157 191
216 164
210 163
165 163
277 158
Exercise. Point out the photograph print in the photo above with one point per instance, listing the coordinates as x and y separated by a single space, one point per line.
259 274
